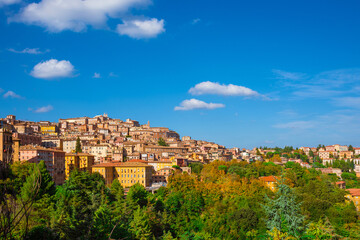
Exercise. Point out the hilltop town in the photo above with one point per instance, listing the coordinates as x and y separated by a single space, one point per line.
113 147
134 168
106 142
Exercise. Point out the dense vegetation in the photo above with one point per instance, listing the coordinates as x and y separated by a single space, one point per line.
221 200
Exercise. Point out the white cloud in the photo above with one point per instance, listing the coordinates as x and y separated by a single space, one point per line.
326 84
53 69
97 75
353 102
197 104
44 109
8 2
11 94
113 75
296 125
74 15
141 28
280 74
337 78
222 89
195 21
28 51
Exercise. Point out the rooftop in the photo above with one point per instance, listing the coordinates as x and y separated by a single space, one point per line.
268 178
122 164
354 191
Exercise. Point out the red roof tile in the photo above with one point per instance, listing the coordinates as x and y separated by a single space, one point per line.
354 191
268 179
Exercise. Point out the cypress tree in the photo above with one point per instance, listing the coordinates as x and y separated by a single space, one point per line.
78 146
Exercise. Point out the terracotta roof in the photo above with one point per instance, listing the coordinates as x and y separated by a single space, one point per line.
340 182
108 164
354 191
137 160
122 164
38 148
268 179
78 154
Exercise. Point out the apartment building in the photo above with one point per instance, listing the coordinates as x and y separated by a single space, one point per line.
128 173
354 196
49 130
80 161
54 160
27 139
346 154
99 151
52 143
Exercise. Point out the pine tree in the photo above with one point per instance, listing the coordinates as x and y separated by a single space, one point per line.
139 226
167 236
283 212
78 146
137 196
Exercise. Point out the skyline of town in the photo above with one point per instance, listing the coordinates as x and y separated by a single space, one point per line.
265 145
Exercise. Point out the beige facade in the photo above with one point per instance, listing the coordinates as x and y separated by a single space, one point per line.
127 173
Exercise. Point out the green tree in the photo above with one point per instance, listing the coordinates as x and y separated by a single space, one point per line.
137 196
321 230
117 191
311 153
76 202
196 167
167 236
234 169
222 168
41 233
162 142
47 184
283 212
140 226
78 146
351 148
44 201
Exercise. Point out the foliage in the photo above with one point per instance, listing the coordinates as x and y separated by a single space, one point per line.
162 142
220 200
283 212
137 196
78 146
196 167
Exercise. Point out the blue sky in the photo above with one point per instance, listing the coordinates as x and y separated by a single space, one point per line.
240 73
